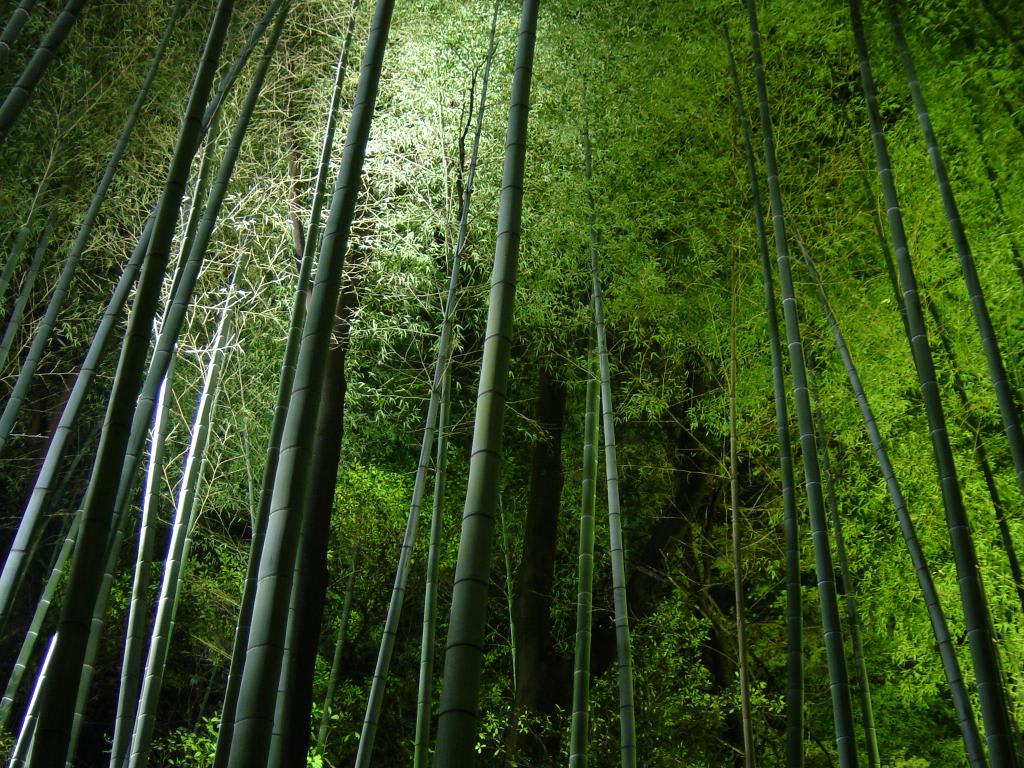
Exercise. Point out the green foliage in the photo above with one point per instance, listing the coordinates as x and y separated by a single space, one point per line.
672 209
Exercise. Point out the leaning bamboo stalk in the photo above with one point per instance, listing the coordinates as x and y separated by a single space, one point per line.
178 547
138 610
375 700
839 685
38 617
986 333
29 281
254 713
26 735
56 706
298 314
791 523
13 26
339 649
974 428
30 76
183 284
427 645
13 258
867 714
981 640
944 643
45 327
28 527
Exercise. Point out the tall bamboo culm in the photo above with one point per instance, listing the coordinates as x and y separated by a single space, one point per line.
437 392
790 521
839 685
298 315
737 540
424 696
617 547
458 714
254 712
579 733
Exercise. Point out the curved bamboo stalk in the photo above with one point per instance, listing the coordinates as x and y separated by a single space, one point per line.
839 685
791 522
980 637
45 327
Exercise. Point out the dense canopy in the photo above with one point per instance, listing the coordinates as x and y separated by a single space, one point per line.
707 316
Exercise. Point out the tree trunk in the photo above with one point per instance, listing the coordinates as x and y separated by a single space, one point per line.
535 693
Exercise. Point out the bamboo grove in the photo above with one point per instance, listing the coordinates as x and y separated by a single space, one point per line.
706 315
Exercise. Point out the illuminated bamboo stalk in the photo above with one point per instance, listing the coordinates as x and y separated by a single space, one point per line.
254 713
981 640
56 705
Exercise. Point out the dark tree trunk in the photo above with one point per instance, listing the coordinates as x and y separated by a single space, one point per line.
534 659
695 488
